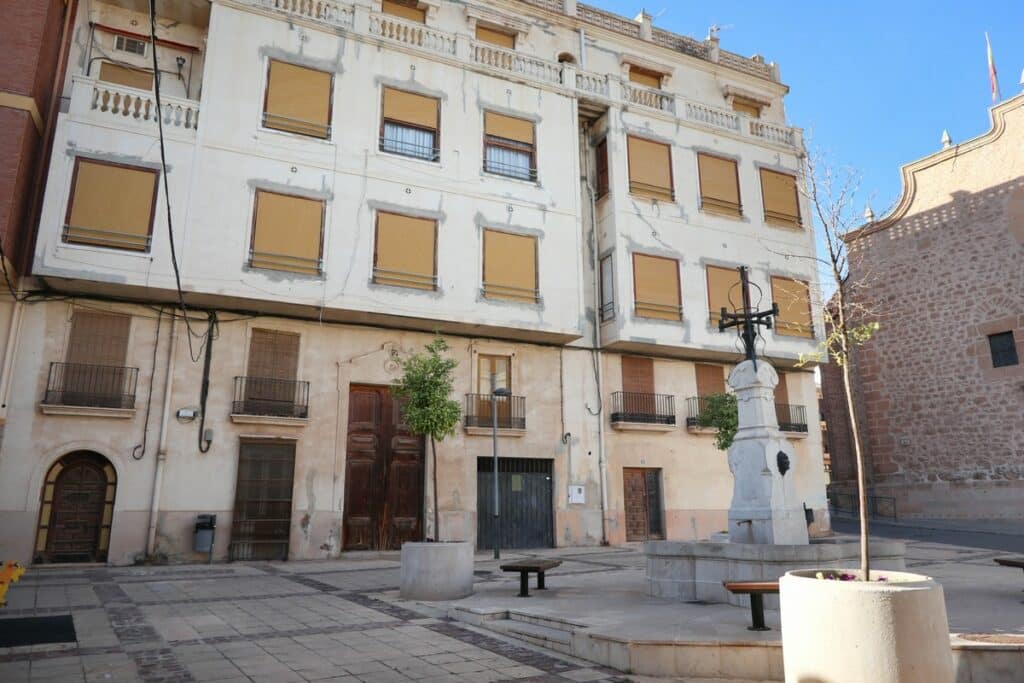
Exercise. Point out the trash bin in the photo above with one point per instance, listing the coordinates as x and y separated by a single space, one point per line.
205 527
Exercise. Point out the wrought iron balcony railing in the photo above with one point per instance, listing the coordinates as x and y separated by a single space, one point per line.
268 397
510 410
792 418
658 409
92 386
695 407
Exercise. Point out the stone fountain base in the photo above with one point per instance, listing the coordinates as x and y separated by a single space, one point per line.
689 571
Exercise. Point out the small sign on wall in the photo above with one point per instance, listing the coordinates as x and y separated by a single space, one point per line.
577 495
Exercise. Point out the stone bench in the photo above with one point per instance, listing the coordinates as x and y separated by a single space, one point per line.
525 568
756 590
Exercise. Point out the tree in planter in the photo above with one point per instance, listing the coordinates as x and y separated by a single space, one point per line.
426 389
720 412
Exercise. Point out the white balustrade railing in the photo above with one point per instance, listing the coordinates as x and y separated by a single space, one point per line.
712 116
780 135
515 62
648 97
411 33
109 100
322 11
593 84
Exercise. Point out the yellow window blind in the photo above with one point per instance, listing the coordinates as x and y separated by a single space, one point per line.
794 300
650 168
710 379
781 198
98 338
656 285
650 79
510 266
287 233
719 185
298 100
124 75
723 283
742 105
637 375
509 127
409 108
111 205
495 37
273 354
404 252
406 10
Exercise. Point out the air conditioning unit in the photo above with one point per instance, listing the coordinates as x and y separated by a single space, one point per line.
130 45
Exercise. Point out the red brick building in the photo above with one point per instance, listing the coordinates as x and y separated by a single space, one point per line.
940 388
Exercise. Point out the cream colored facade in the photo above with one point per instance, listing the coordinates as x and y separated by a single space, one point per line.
569 75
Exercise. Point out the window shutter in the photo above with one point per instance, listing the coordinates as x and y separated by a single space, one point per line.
495 37
127 76
98 338
411 109
273 355
794 300
607 289
510 266
298 99
288 232
745 106
650 168
637 375
602 168
782 390
710 379
501 366
656 284
405 251
781 198
111 205
719 185
644 77
720 286
405 10
509 127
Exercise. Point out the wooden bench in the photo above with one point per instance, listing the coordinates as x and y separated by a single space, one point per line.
525 568
1016 562
756 590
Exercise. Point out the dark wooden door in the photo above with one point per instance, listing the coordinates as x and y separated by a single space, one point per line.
77 512
526 514
383 473
642 491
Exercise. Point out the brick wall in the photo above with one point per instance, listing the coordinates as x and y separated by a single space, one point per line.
944 430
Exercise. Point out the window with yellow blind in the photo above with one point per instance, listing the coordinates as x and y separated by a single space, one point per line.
98 338
723 283
273 354
719 185
270 387
645 77
650 168
405 251
742 105
496 37
298 100
287 233
498 366
781 198
410 125
656 287
510 267
94 372
794 300
710 379
111 205
509 146
637 375
126 75
405 9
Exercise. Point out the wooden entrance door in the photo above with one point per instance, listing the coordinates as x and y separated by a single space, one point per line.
642 489
383 473
262 519
77 511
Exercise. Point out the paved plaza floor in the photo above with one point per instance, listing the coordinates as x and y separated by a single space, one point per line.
341 620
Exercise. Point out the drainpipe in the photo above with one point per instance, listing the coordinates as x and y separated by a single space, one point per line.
602 465
13 336
161 453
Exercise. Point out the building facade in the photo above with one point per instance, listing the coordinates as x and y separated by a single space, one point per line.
562 193
938 388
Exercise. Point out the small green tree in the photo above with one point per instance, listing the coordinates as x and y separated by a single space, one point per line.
425 389
720 412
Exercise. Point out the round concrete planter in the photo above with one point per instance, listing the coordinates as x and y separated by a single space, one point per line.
853 631
437 571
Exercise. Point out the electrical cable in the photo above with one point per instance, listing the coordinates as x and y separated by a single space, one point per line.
141 448
204 391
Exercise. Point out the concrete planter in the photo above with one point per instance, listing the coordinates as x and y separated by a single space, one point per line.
853 631
437 571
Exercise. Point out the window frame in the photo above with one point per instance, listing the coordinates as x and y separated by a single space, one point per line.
608 306
811 333
514 35
376 243
330 103
712 319
252 234
435 151
536 268
671 170
1011 359
679 288
724 212
773 220
603 178
511 145
71 200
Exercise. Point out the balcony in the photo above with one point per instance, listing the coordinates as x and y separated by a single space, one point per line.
84 389
264 400
481 412
695 407
643 412
792 418
109 103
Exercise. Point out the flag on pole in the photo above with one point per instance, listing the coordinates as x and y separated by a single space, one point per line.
993 78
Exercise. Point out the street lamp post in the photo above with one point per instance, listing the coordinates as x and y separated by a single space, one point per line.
495 394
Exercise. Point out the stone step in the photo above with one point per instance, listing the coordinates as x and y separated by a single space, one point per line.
543 636
549 621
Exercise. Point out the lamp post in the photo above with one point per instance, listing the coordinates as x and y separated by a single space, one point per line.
495 394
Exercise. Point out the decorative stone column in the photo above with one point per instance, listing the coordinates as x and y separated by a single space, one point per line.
765 508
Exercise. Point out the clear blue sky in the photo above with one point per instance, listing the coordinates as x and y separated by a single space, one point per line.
874 81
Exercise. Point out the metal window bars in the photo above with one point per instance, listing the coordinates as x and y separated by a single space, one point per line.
409 141
511 411
399 278
94 386
653 309
792 418
265 396
76 234
510 293
296 264
298 126
644 408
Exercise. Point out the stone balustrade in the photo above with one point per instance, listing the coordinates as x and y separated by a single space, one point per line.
110 102
412 34
320 11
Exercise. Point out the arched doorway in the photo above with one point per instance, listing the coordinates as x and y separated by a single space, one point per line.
76 510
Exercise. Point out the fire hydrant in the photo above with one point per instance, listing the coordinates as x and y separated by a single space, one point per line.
10 573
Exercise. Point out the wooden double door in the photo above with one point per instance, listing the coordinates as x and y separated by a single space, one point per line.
76 509
644 516
384 471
